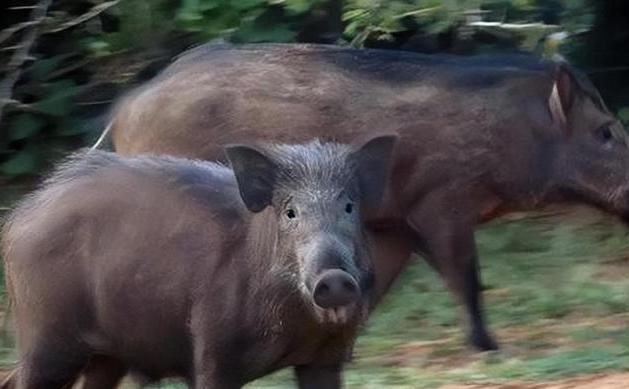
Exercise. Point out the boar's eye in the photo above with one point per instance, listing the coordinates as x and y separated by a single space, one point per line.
349 207
290 213
604 133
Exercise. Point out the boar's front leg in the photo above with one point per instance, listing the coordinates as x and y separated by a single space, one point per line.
210 378
445 228
207 372
318 377
103 373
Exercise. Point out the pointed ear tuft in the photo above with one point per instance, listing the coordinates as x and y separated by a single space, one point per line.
373 161
562 95
255 175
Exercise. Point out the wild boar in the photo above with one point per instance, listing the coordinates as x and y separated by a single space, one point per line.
480 136
159 266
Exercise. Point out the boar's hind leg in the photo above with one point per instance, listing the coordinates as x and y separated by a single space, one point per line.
447 243
49 366
318 377
103 373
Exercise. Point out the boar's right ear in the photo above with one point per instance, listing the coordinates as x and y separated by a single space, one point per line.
373 160
562 94
255 174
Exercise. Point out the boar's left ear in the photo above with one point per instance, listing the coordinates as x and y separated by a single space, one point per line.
562 94
255 174
373 160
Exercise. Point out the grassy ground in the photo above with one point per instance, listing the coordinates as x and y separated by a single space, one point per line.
557 298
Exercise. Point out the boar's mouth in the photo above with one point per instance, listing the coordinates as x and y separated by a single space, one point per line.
617 205
337 316
341 317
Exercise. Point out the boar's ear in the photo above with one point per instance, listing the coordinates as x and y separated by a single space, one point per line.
562 94
373 160
255 174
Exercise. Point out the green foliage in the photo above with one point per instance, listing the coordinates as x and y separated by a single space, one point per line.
246 20
370 21
117 40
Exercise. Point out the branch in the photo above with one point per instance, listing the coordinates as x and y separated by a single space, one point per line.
17 105
360 38
94 11
67 69
21 54
418 12
9 31
515 26
22 7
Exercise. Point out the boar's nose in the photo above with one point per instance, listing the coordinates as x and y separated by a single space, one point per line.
335 288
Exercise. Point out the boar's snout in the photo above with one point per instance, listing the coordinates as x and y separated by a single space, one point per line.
334 282
335 288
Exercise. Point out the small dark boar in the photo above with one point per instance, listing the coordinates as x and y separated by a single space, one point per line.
479 136
158 266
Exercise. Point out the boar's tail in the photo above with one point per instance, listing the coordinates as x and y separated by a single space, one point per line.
101 139
4 253
8 306
9 381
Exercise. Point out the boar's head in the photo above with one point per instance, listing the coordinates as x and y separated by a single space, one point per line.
592 156
316 196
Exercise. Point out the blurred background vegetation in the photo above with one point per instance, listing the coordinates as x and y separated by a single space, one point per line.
63 62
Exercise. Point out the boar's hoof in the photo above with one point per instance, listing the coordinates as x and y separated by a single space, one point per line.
481 340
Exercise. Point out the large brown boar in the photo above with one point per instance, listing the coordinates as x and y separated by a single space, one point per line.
159 266
480 136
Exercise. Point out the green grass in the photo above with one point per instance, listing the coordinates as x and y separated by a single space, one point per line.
557 298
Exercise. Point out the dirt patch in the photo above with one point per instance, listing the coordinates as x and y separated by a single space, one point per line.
614 269
610 381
